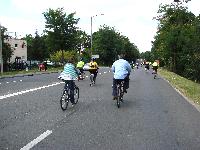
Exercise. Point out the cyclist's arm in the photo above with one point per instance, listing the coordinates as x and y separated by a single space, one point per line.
113 68
128 67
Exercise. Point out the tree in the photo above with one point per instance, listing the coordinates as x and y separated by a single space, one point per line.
177 40
61 30
108 43
7 51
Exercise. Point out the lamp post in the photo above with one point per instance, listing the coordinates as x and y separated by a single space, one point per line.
1 57
91 30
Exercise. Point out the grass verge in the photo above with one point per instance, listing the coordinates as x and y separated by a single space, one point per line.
187 87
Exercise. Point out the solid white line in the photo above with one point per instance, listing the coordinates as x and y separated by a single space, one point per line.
37 140
30 90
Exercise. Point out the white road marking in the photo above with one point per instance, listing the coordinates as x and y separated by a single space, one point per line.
14 81
7 82
86 76
20 80
37 140
105 72
30 90
99 73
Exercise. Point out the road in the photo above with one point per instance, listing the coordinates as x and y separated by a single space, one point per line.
153 116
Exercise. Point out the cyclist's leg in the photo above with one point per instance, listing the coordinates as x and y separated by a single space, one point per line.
95 75
126 83
71 88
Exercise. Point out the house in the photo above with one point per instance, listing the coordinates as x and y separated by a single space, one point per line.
20 49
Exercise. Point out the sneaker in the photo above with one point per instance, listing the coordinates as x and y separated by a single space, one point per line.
114 97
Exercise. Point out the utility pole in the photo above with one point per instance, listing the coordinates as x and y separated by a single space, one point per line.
1 55
91 31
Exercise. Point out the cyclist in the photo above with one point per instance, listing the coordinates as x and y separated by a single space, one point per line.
79 66
146 65
121 69
155 67
69 74
93 69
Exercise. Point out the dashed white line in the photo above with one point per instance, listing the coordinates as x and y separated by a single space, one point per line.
30 90
7 82
14 81
37 140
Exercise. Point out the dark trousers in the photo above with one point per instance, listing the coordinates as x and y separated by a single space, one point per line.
94 71
71 85
116 81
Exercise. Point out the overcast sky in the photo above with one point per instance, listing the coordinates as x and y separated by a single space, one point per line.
133 18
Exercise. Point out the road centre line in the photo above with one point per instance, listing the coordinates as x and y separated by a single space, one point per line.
30 90
37 140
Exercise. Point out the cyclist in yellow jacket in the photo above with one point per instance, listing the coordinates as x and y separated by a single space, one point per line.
79 66
155 66
93 69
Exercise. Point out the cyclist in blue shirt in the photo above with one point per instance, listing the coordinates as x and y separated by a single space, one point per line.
121 69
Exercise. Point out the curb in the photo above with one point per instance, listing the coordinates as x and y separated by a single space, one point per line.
28 74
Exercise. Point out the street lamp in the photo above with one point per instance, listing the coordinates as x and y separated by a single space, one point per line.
91 31
1 57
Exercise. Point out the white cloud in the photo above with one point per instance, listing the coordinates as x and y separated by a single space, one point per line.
133 18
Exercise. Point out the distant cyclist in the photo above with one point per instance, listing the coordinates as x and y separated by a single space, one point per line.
147 65
155 67
69 74
121 69
79 66
93 68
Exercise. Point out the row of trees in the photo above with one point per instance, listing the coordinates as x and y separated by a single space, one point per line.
177 41
62 39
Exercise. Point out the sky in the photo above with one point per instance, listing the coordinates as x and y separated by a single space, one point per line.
132 18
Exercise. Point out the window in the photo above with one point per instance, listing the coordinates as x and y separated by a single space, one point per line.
15 45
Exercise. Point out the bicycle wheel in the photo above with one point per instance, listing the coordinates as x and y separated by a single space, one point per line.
118 96
76 94
64 100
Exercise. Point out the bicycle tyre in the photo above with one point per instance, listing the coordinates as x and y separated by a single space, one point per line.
64 100
76 94
118 96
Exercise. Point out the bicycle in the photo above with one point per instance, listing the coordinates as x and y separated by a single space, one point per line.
65 98
120 92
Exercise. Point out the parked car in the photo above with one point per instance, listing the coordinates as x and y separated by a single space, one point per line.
86 67
50 63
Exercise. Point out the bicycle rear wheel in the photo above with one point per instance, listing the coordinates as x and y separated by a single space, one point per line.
64 100
118 96
76 94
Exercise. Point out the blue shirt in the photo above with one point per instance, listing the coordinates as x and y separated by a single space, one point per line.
121 68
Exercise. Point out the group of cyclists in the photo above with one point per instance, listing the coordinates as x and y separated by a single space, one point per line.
120 68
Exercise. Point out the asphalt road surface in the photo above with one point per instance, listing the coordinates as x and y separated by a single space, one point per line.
153 116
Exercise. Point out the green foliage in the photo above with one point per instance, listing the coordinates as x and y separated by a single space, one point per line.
108 44
177 40
61 30
7 51
63 54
